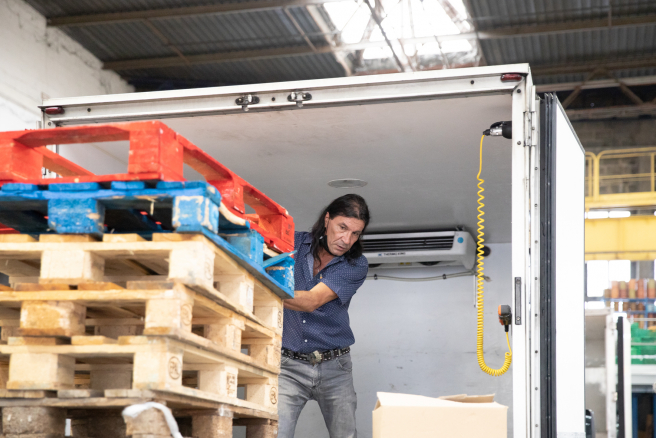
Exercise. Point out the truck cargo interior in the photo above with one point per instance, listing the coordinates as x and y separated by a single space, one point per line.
419 159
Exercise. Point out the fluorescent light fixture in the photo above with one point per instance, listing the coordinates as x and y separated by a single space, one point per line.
598 214
619 213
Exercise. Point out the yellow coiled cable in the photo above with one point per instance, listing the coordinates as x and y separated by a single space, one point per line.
479 282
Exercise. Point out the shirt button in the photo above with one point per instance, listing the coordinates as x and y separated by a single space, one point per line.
306 340
303 321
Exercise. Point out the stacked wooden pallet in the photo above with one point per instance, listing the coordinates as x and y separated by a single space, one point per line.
184 310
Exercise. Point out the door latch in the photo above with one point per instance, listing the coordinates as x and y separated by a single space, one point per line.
247 100
299 97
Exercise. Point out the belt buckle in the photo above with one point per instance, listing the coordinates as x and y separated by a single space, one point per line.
315 357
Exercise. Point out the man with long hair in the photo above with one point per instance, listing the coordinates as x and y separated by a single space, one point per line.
316 364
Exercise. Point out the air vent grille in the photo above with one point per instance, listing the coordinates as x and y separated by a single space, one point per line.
408 244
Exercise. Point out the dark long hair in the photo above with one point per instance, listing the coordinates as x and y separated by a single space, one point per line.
351 205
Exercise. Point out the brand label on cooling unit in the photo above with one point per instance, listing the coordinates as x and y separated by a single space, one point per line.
385 254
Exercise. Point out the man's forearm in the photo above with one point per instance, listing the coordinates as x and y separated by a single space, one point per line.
310 300
303 301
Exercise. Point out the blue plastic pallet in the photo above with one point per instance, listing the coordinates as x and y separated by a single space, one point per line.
139 208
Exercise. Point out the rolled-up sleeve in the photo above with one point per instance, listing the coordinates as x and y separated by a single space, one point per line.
346 280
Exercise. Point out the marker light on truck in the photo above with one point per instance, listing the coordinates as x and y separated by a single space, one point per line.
54 110
510 77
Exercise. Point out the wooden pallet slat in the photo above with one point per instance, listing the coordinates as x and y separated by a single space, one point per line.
155 364
189 258
165 309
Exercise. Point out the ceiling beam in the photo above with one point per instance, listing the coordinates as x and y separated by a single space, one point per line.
299 29
212 58
593 64
592 85
185 11
567 27
377 18
612 112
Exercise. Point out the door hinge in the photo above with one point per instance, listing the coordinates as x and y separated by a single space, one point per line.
530 131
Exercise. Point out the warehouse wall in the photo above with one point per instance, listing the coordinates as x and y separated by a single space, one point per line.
598 135
38 62
420 338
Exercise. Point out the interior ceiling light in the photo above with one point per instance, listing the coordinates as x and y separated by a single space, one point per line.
347 183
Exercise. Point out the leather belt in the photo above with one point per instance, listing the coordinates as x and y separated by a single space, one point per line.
316 356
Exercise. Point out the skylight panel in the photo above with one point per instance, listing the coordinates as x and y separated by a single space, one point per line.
409 26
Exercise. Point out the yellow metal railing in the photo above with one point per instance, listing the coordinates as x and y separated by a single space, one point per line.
605 188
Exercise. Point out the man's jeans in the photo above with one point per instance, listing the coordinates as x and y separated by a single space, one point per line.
330 383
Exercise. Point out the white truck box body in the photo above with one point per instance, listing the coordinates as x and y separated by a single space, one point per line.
414 138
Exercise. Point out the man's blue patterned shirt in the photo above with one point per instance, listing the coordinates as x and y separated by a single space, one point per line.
327 327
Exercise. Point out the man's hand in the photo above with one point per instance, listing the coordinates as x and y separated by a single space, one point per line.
310 300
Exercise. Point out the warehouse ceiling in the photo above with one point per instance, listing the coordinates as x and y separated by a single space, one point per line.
594 53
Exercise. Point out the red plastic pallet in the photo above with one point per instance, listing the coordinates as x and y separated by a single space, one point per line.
157 153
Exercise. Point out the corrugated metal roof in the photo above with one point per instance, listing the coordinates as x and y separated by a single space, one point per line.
574 46
201 34
50 8
127 40
197 34
496 13
243 31
592 46
272 28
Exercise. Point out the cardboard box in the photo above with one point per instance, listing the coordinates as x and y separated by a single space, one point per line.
461 416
